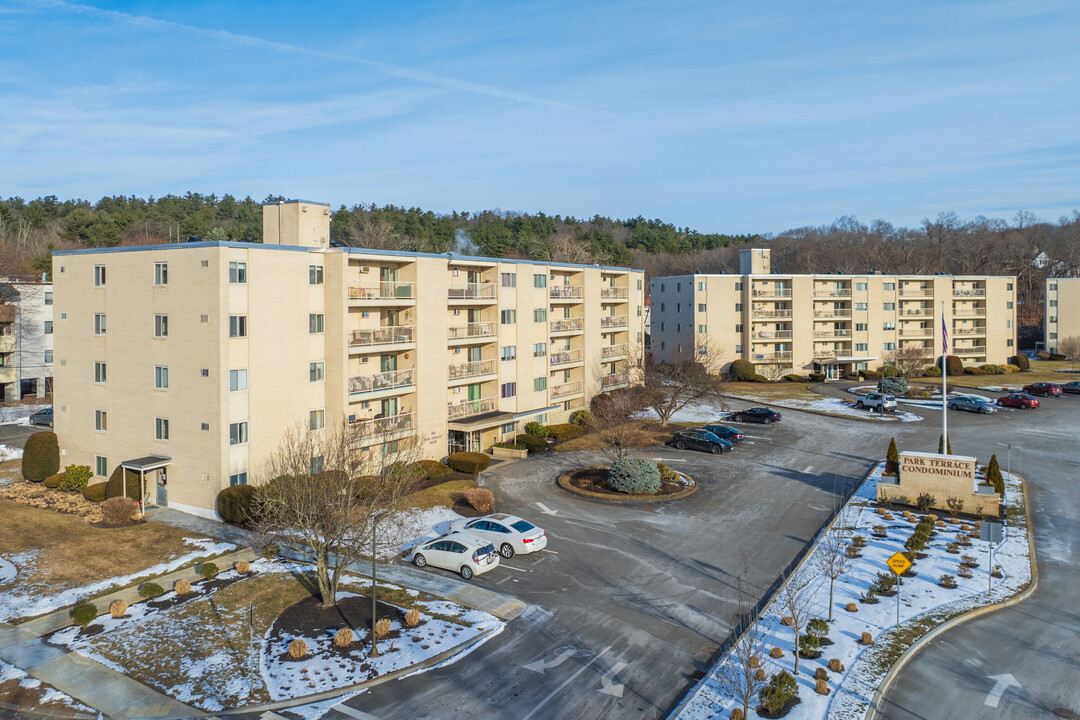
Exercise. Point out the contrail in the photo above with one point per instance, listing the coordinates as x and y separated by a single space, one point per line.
254 42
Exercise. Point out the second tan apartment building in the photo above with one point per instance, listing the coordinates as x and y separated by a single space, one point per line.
189 362
835 324
1061 315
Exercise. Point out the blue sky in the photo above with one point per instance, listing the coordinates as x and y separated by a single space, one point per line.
721 116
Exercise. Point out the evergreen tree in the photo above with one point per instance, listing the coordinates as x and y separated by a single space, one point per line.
892 459
993 474
939 448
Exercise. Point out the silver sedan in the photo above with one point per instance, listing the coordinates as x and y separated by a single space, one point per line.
972 403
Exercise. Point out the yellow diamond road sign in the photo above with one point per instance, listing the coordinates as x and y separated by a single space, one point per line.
898 563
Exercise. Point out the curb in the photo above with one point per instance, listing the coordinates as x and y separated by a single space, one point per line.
563 483
338 692
913 650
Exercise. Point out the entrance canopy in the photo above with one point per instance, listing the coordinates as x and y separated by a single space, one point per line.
146 464
482 422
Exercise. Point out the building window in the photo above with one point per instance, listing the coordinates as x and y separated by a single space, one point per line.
661 307
315 274
508 280
161 326
738 286
539 384
99 323
540 280
861 327
702 350
888 287
701 307
860 306
1009 305
99 372
738 349
316 370
99 275
738 328
889 306
161 273
860 286
1009 342
238 479
702 329
539 349
48 327
317 420
888 346
508 317
1009 286
1053 286
1008 324
639 311
237 273
508 352
205 426
1053 303
509 428
318 464
161 377
161 428
204 264
661 326
861 347
237 380
48 298
508 390
662 289
101 465
888 326
701 286
238 433
540 315
48 356
1053 336
315 323
101 420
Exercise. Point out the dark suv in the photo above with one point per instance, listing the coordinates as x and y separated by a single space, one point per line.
761 415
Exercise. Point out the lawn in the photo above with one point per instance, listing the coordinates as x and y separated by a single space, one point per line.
647 432
1041 371
770 392
441 495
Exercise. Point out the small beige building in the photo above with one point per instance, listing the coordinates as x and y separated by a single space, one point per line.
942 477
26 338
1061 316
835 324
203 354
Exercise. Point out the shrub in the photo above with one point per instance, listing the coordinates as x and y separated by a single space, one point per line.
181 587
1057 356
947 581
964 571
821 674
794 378
1043 355
883 583
118 609
953 548
636 476
581 418
269 551
851 607
41 456
737 713
237 504
818 627
754 661
776 653
667 475
564 431
858 541
208 570
76 478
924 501
970 560
95 492
944 450
510 445
890 371
953 365
993 474
242 567
892 459
83 614
53 481
536 429
835 665
118 510
382 627
150 590
741 370
412 618
821 687
123 483
974 371
870 374
781 688
1012 368
816 377
469 462
343 638
1020 361
531 443
760 379
480 498
893 385
431 469
932 371
866 639
809 643
297 649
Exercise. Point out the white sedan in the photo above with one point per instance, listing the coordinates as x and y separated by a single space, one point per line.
509 533
466 555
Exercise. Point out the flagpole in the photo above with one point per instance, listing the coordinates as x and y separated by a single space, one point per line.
944 384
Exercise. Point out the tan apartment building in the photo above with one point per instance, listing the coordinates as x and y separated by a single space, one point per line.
190 361
831 323
1061 316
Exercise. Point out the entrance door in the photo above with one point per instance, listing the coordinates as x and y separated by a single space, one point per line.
162 498
387 363
389 407
832 371
476 353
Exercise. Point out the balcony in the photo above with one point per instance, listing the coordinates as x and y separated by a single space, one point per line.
911 331
772 335
567 389
391 380
566 357
824 354
969 292
771 314
386 293
369 432
969 312
566 325
961 332
393 335
468 408
771 293
471 331
475 369
770 357
481 292
566 292
833 333
838 313
917 312
614 381
614 321
610 352
980 350
828 292
915 292
613 293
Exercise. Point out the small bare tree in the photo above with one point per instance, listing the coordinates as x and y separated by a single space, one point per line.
831 556
741 676
1070 348
612 420
690 377
795 603
909 359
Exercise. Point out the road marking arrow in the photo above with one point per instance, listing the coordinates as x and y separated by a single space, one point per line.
545 509
1001 684
607 680
541 665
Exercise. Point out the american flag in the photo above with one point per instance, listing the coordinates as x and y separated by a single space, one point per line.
944 337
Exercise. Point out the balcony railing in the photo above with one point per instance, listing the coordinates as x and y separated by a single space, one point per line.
565 357
476 368
614 380
565 292
773 334
613 293
393 335
916 292
835 332
385 290
566 325
382 381
969 312
915 331
614 321
471 291
832 292
920 312
608 351
570 388
468 408
825 354
981 350
471 330
365 431
771 292
769 314
838 313
970 331
969 292
770 357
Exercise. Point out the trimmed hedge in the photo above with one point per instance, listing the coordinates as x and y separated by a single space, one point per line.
1020 361
119 486
53 481
973 371
83 614
470 462
76 478
150 590
95 492
932 371
634 476
741 370
564 431
816 377
870 374
536 429
889 371
759 378
208 569
953 365
432 469
41 456
581 417
531 443
794 378
237 504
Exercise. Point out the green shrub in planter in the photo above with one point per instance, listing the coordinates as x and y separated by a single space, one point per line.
666 473
95 492
470 462
564 431
150 590
536 429
208 570
53 481
932 371
41 456
742 370
781 688
582 418
76 478
432 469
531 443
634 476
237 504
1021 361
83 614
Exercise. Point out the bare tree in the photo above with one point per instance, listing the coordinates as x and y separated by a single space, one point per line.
691 377
1070 348
796 606
831 556
909 359
612 420
774 371
323 496
741 676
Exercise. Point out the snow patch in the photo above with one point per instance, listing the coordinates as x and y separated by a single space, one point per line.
9 453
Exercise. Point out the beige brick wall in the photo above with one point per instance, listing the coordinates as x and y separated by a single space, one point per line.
943 477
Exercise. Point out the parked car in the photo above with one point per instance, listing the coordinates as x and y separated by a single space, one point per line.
724 433
509 533
42 417
1046 389
1018 400
1071 387
877 401
701 440
972 403
761 415
464 554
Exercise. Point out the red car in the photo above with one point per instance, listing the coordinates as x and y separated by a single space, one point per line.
1046 389
1019 400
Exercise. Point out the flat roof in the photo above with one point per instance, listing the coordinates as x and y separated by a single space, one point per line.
824 276
293 202
149 462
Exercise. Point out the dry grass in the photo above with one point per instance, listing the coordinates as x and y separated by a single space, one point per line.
1041 370
444 494
766 392
645 433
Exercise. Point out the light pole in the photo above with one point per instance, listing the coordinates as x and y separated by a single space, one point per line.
1008 457
373 651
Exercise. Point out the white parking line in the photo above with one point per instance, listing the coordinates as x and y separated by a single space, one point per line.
808 468
508 567
566 682
500 582
553 552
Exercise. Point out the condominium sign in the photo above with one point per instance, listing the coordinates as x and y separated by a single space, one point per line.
936 468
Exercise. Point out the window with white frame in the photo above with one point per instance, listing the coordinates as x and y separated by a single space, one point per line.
861 307
101 465
316 371
237 326
161 326
99 372
48 356
508 352
860 287
701 307
315 323
161 273
315 274
539 349
862 347
48 327
238 433
48 298
508 279
507 428
99 275
540 315
161 377
540 280
508 317
888 326
317 419
161 428
99 323
888 287
889 306
237 273
888 346
508 390
701 286
1009 305
703 329
237 380
240 478
539 384
101 420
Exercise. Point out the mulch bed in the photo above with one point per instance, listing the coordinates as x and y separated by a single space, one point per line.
37 495
309 619
762 712
595 480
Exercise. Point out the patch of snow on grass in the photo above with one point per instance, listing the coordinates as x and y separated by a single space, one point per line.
9 453
47 695
431 523
8 571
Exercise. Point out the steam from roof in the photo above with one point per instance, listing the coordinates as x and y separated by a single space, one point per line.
463 244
